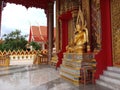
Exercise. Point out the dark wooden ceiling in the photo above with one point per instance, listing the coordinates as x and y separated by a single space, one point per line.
43 4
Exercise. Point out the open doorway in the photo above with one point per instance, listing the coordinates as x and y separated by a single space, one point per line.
19 17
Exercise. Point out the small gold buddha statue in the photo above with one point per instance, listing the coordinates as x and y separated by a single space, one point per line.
79 43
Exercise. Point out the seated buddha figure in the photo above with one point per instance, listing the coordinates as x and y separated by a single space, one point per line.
79 43
80 36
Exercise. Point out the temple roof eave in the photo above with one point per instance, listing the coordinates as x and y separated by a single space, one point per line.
43 4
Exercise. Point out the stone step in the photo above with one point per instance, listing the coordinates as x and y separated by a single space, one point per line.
110 78
10 67
109 85
17 69
114 69
112 74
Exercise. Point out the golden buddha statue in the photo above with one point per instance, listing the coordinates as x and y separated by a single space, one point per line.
79 43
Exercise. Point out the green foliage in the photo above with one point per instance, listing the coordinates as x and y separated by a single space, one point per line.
35 45
14 41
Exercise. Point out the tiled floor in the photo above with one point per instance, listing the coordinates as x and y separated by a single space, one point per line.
41 78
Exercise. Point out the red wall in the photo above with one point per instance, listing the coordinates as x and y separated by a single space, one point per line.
104 57
64 19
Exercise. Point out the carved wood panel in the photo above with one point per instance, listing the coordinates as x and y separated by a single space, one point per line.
86 11
96 36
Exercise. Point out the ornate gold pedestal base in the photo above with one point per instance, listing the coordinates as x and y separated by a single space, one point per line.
77 83
72 63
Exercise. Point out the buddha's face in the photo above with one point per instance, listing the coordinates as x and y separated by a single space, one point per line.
78 27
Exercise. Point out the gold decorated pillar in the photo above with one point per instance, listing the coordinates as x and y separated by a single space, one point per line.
50 25
1 5
58 47
86 11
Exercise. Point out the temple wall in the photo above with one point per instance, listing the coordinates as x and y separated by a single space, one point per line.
98 16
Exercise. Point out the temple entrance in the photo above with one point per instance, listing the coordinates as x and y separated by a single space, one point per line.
115 25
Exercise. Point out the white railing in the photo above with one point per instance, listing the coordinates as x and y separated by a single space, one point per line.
22 59
18 57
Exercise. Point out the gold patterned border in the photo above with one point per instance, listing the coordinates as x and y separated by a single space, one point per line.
115 25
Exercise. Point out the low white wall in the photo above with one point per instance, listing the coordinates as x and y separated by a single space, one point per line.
22 59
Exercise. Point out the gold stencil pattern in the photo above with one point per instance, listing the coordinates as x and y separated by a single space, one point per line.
115 22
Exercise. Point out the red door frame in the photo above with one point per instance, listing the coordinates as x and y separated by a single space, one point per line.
104 57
